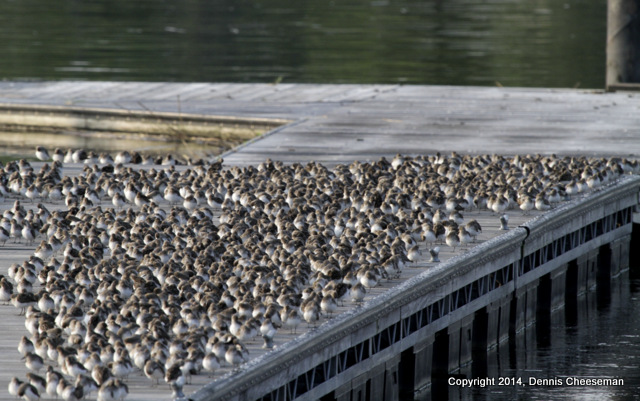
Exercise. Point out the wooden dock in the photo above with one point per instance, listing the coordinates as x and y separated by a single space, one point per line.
342 123
335 124
140 387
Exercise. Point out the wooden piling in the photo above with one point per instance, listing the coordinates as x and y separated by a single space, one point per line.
623 45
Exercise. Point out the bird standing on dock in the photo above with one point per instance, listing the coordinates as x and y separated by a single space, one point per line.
474 228
42 153
268 331
14 385
452 240
358 292
23 300
28 392
526 204
464 236
33 361
6 290
210 362
541 202
311 311
413 254
328 304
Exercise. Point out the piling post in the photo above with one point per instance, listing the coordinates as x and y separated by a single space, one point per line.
623 45
423 351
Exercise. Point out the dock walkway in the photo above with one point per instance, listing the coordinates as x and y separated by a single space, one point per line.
342 123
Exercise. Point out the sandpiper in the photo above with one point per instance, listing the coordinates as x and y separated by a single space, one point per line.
292 318
112 390
452 240
28 392
268 331
58 155
526 203
541 202
42 153
235 356
154 370
37 381
358 292
474 228
210 362
33 361
14 385
23 300
328 304
464 236
413 254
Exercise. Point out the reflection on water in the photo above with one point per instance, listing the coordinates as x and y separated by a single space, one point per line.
543 43
599 337
15 145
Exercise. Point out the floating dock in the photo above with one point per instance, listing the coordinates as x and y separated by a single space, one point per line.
333 124
428 325
390 348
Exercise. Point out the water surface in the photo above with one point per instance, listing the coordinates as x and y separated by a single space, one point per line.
599 337
543 43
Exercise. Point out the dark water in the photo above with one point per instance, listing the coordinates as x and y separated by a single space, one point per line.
599 337
542 43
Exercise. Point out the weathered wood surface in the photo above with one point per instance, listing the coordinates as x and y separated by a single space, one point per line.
340 123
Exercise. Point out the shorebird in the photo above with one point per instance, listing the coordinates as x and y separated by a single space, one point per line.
58 155
37 381
526 203
464 236
101 374
452 240
210 363
414 254
268 331
6 290
122 157
358 292
541 202
369 279
53 378
4 235
572 188
235 355
474 228
33 361
28 233
14 385
154 370
23 300
328 304
118 200
28 392
113 390
498 203
42 153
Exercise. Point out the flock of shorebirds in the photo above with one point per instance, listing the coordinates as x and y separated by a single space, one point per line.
172 271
